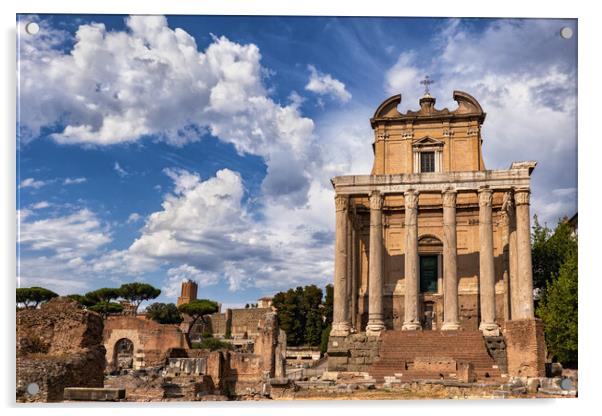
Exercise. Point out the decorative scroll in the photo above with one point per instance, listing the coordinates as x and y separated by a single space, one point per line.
341 202
411 199
376 200
449 198
485 197
521 196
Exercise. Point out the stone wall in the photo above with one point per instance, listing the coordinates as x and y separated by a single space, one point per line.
236 373
356 352
151 340
525 347
242 322
58 346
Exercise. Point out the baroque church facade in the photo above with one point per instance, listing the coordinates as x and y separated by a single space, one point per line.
431 240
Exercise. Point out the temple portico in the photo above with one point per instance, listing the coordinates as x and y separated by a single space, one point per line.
504 194
431 247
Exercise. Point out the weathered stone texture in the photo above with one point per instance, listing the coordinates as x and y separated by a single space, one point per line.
355 352
95 394
151 340
241 322
525 347
58 346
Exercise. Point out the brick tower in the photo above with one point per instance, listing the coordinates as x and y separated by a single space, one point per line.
189 290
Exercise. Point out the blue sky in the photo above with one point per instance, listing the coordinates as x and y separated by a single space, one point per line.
161 148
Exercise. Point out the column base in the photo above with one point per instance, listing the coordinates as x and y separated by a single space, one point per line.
489 329
374 328
340 329
411 326
450 326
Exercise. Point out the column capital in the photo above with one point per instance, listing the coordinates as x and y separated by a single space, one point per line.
449 198
485 197
376 200
522 196
411 198
341 202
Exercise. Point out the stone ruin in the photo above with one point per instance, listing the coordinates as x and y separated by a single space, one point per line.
58 346
60 351
192 374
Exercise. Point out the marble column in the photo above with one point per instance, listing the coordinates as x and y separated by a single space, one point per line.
375 266
513 259
340 324
523 248
486 265
450 262
411 321
353 311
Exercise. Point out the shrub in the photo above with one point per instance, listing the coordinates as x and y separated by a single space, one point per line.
212 344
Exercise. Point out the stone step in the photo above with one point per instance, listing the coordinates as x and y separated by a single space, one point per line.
401 347
93 394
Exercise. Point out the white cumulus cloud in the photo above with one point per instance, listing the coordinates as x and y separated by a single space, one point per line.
32 183
151 80
325 84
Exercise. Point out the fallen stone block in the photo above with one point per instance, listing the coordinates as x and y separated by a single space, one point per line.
93 394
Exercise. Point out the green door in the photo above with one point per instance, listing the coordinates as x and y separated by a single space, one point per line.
428 274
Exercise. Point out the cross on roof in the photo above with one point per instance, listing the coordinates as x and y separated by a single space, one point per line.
426 82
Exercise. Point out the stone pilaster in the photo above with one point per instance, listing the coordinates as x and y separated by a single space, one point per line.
486 265
523 246
450 263
411 321
340 324
375 267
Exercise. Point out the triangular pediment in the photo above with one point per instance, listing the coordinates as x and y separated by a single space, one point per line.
427 140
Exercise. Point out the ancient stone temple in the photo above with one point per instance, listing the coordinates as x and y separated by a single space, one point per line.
433 246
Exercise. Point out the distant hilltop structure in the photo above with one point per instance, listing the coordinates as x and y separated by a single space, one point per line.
189 292
264 302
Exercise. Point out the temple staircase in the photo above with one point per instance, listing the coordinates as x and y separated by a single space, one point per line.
428 355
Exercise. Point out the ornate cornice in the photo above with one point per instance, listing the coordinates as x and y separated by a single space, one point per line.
468 107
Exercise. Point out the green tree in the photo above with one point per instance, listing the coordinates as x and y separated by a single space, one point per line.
328 305
136 293
314 320
304 314
289 314
31 297
106 308
164 313
105 294
212 344
324 340
550 250
558 311
82 300
197 309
